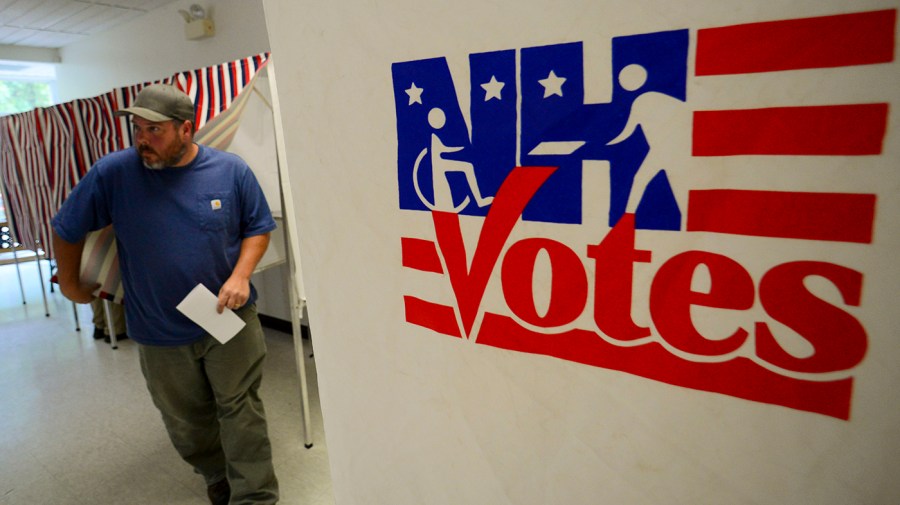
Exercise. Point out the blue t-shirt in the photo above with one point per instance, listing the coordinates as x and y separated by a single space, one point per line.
175 227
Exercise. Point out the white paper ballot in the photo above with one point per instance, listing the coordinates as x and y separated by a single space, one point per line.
200 306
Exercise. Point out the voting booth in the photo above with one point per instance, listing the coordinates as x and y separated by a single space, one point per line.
567 252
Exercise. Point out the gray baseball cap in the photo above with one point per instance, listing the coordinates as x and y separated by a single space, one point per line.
160 102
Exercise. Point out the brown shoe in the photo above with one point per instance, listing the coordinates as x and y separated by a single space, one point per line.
219 493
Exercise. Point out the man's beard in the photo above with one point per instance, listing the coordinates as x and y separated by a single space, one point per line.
172 155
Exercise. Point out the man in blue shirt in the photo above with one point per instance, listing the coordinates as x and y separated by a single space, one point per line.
183 215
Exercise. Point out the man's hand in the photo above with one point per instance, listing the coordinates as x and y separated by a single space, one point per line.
83 292
234 293
236 290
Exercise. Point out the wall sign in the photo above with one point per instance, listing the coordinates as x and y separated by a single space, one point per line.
638 296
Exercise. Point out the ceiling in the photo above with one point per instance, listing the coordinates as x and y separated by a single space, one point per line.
56 23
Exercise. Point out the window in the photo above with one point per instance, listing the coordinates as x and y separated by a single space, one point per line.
25 85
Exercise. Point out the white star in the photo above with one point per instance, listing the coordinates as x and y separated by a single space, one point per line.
492 88
415 94
552 84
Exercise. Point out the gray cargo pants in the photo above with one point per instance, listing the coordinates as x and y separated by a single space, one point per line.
207 393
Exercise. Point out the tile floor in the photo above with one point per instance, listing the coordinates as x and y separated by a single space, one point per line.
77 425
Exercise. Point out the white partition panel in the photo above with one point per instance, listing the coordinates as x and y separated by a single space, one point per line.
581 252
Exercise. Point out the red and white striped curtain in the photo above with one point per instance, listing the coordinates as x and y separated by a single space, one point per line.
44 152
26 177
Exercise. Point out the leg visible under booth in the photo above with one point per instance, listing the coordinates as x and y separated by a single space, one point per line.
109 321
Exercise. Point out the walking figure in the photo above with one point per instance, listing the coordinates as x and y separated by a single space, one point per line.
654 113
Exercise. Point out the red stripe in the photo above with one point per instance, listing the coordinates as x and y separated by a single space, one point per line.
121 124
831 41
78 146
433 316
211 94
233 77
188 89
115 136
854 130
199 101
420 254
220 83
738 377
838 217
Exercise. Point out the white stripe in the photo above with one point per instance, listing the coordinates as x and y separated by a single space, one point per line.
556 148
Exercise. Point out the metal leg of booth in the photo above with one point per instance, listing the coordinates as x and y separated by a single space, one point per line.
109 324
75 311
19 274
37 262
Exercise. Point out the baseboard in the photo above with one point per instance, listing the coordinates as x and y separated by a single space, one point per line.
276 323
281 325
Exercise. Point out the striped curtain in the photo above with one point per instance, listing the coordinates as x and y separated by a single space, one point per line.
214 89
63 163
100 264
44 152
25 177
100 132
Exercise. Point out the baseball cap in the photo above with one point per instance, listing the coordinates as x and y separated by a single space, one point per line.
160 102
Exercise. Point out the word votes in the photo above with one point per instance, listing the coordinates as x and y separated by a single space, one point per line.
839 340
681 354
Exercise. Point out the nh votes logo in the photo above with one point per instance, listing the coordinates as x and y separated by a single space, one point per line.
529 143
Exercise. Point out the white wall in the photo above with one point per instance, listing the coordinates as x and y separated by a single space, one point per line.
420 416
154 46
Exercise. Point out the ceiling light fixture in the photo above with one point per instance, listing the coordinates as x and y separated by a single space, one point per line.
197 24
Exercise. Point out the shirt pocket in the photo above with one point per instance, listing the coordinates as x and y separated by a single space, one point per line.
214 211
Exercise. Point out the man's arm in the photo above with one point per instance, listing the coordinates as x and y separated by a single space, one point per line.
236 290
68 270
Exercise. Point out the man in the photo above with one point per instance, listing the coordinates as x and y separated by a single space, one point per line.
184 214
